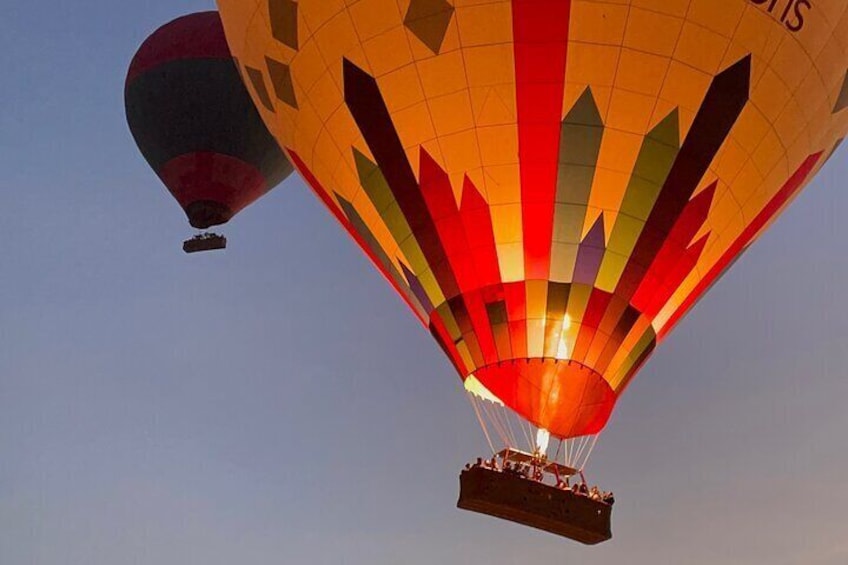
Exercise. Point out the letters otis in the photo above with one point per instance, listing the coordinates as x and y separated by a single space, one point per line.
790 12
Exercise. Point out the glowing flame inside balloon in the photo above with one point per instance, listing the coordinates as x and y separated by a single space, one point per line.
562 351
543 437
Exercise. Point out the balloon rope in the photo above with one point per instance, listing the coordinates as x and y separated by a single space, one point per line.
576 448
484 408
511 431
575 451
584 441
589 454
501 416
503 421
491 412
476 404
525 427
482 422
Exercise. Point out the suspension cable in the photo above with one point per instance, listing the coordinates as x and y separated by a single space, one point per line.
575 451
580 447
480 419
583 444
491 412
525 427
586 460
502 415
512 436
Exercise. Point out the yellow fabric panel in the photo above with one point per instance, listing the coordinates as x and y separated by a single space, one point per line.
653 32
566 254
599 22
537 299
511 259
642 325
465 355
619 151
578 299
612 266
536 338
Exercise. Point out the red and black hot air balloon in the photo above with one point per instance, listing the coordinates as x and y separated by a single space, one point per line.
196 125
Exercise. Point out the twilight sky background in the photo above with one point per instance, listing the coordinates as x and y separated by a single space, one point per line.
276 403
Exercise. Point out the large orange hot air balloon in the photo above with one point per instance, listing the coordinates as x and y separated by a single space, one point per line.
196 125
550 184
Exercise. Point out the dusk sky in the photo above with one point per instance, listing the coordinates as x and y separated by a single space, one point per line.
278 403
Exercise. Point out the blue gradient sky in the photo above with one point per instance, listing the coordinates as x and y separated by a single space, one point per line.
276 403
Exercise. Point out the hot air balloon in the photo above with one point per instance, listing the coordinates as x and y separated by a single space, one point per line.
549 184
197 127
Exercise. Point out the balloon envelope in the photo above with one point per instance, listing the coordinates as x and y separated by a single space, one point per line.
550 185
195 123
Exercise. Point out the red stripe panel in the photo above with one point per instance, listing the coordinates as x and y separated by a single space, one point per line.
321 193
476 308
477 221
450 225
792 186
540 30
215 177
675 277
589 325
195 36
438 195
674 249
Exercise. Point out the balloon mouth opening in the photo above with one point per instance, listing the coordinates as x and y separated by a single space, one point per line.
565 398
204 214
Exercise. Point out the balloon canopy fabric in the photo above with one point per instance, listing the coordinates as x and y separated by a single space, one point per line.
196 124
550 184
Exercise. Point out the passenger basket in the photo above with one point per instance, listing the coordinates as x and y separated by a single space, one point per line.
205 242
535 504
